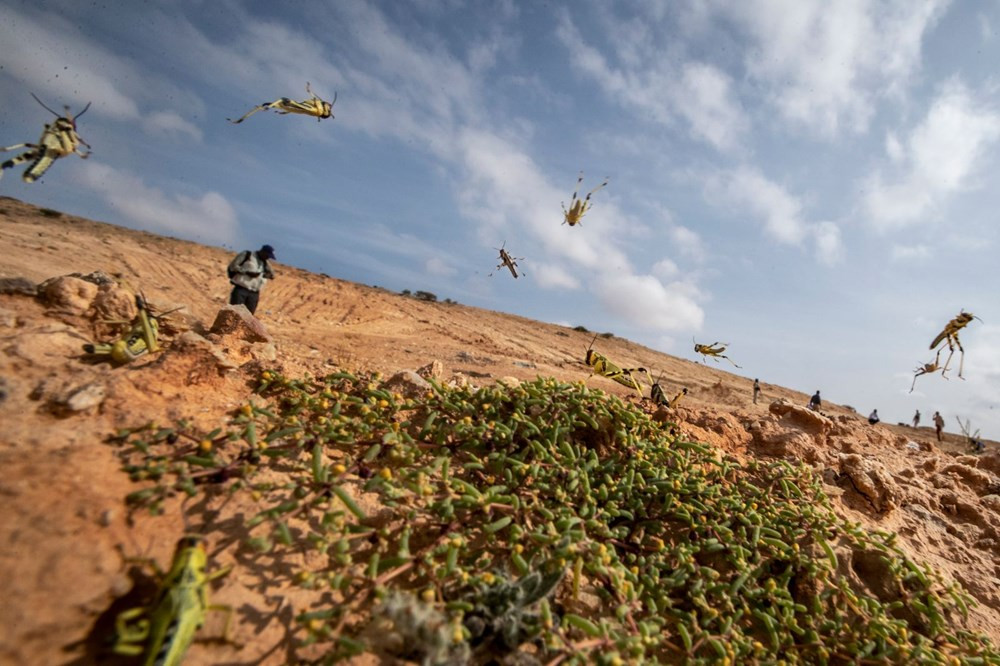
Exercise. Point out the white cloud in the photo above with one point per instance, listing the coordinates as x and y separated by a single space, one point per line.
505 188
986 31
51 59
829 248
687 242
650 81
168 122
909 252
939 158
553 277
780 211
647 303
747 189
439 267
825 65
893 147
209 218
665 269
704 98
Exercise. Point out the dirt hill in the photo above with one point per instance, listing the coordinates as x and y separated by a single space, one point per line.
66 530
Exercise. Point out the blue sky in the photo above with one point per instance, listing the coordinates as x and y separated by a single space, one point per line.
814 183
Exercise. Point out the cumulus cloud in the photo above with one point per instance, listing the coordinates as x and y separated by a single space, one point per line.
647 79
209 217
665 269
687 242
938 159
168 122
824 65
829 248
647 303
439 267
61 65
553 277
780 211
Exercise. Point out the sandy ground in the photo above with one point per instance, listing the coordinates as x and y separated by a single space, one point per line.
64 531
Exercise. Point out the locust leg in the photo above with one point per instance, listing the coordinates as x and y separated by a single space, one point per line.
731 361
951 352
20 159
131 631
20 145
43 160
261 107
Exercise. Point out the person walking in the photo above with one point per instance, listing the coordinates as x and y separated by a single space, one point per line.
814 402
916 419
873 417
248 271
756 390
938 424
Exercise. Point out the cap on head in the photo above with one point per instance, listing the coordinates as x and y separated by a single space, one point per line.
266 251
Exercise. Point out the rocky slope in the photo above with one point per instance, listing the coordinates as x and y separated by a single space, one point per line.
66 531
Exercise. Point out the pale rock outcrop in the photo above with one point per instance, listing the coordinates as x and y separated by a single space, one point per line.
112 302
407 383
68 293
237 322
871 480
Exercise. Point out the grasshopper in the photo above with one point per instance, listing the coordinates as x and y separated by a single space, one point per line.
141 338
925 369
578 207
714 350
950 335
660 398
507 260
163 632
314 106
601 365
58 140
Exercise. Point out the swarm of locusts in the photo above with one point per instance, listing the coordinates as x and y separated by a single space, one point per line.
547 519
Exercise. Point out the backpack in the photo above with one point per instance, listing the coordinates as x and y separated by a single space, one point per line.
240 259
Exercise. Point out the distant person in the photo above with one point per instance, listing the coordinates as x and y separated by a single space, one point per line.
756 390
814 402
873 417
916 419
938 424
978 445
248 271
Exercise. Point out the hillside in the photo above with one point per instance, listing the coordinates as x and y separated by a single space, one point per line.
69 533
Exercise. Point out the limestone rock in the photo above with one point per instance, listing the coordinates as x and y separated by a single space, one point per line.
236 321
871 480
979 481
812 422
84 397
114 303
407 383
68 293
433 370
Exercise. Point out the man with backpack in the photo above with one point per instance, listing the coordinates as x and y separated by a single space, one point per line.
248 271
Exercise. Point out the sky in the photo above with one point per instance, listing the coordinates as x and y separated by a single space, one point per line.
813 183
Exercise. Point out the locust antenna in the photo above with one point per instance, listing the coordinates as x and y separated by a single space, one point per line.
82 112
47 108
